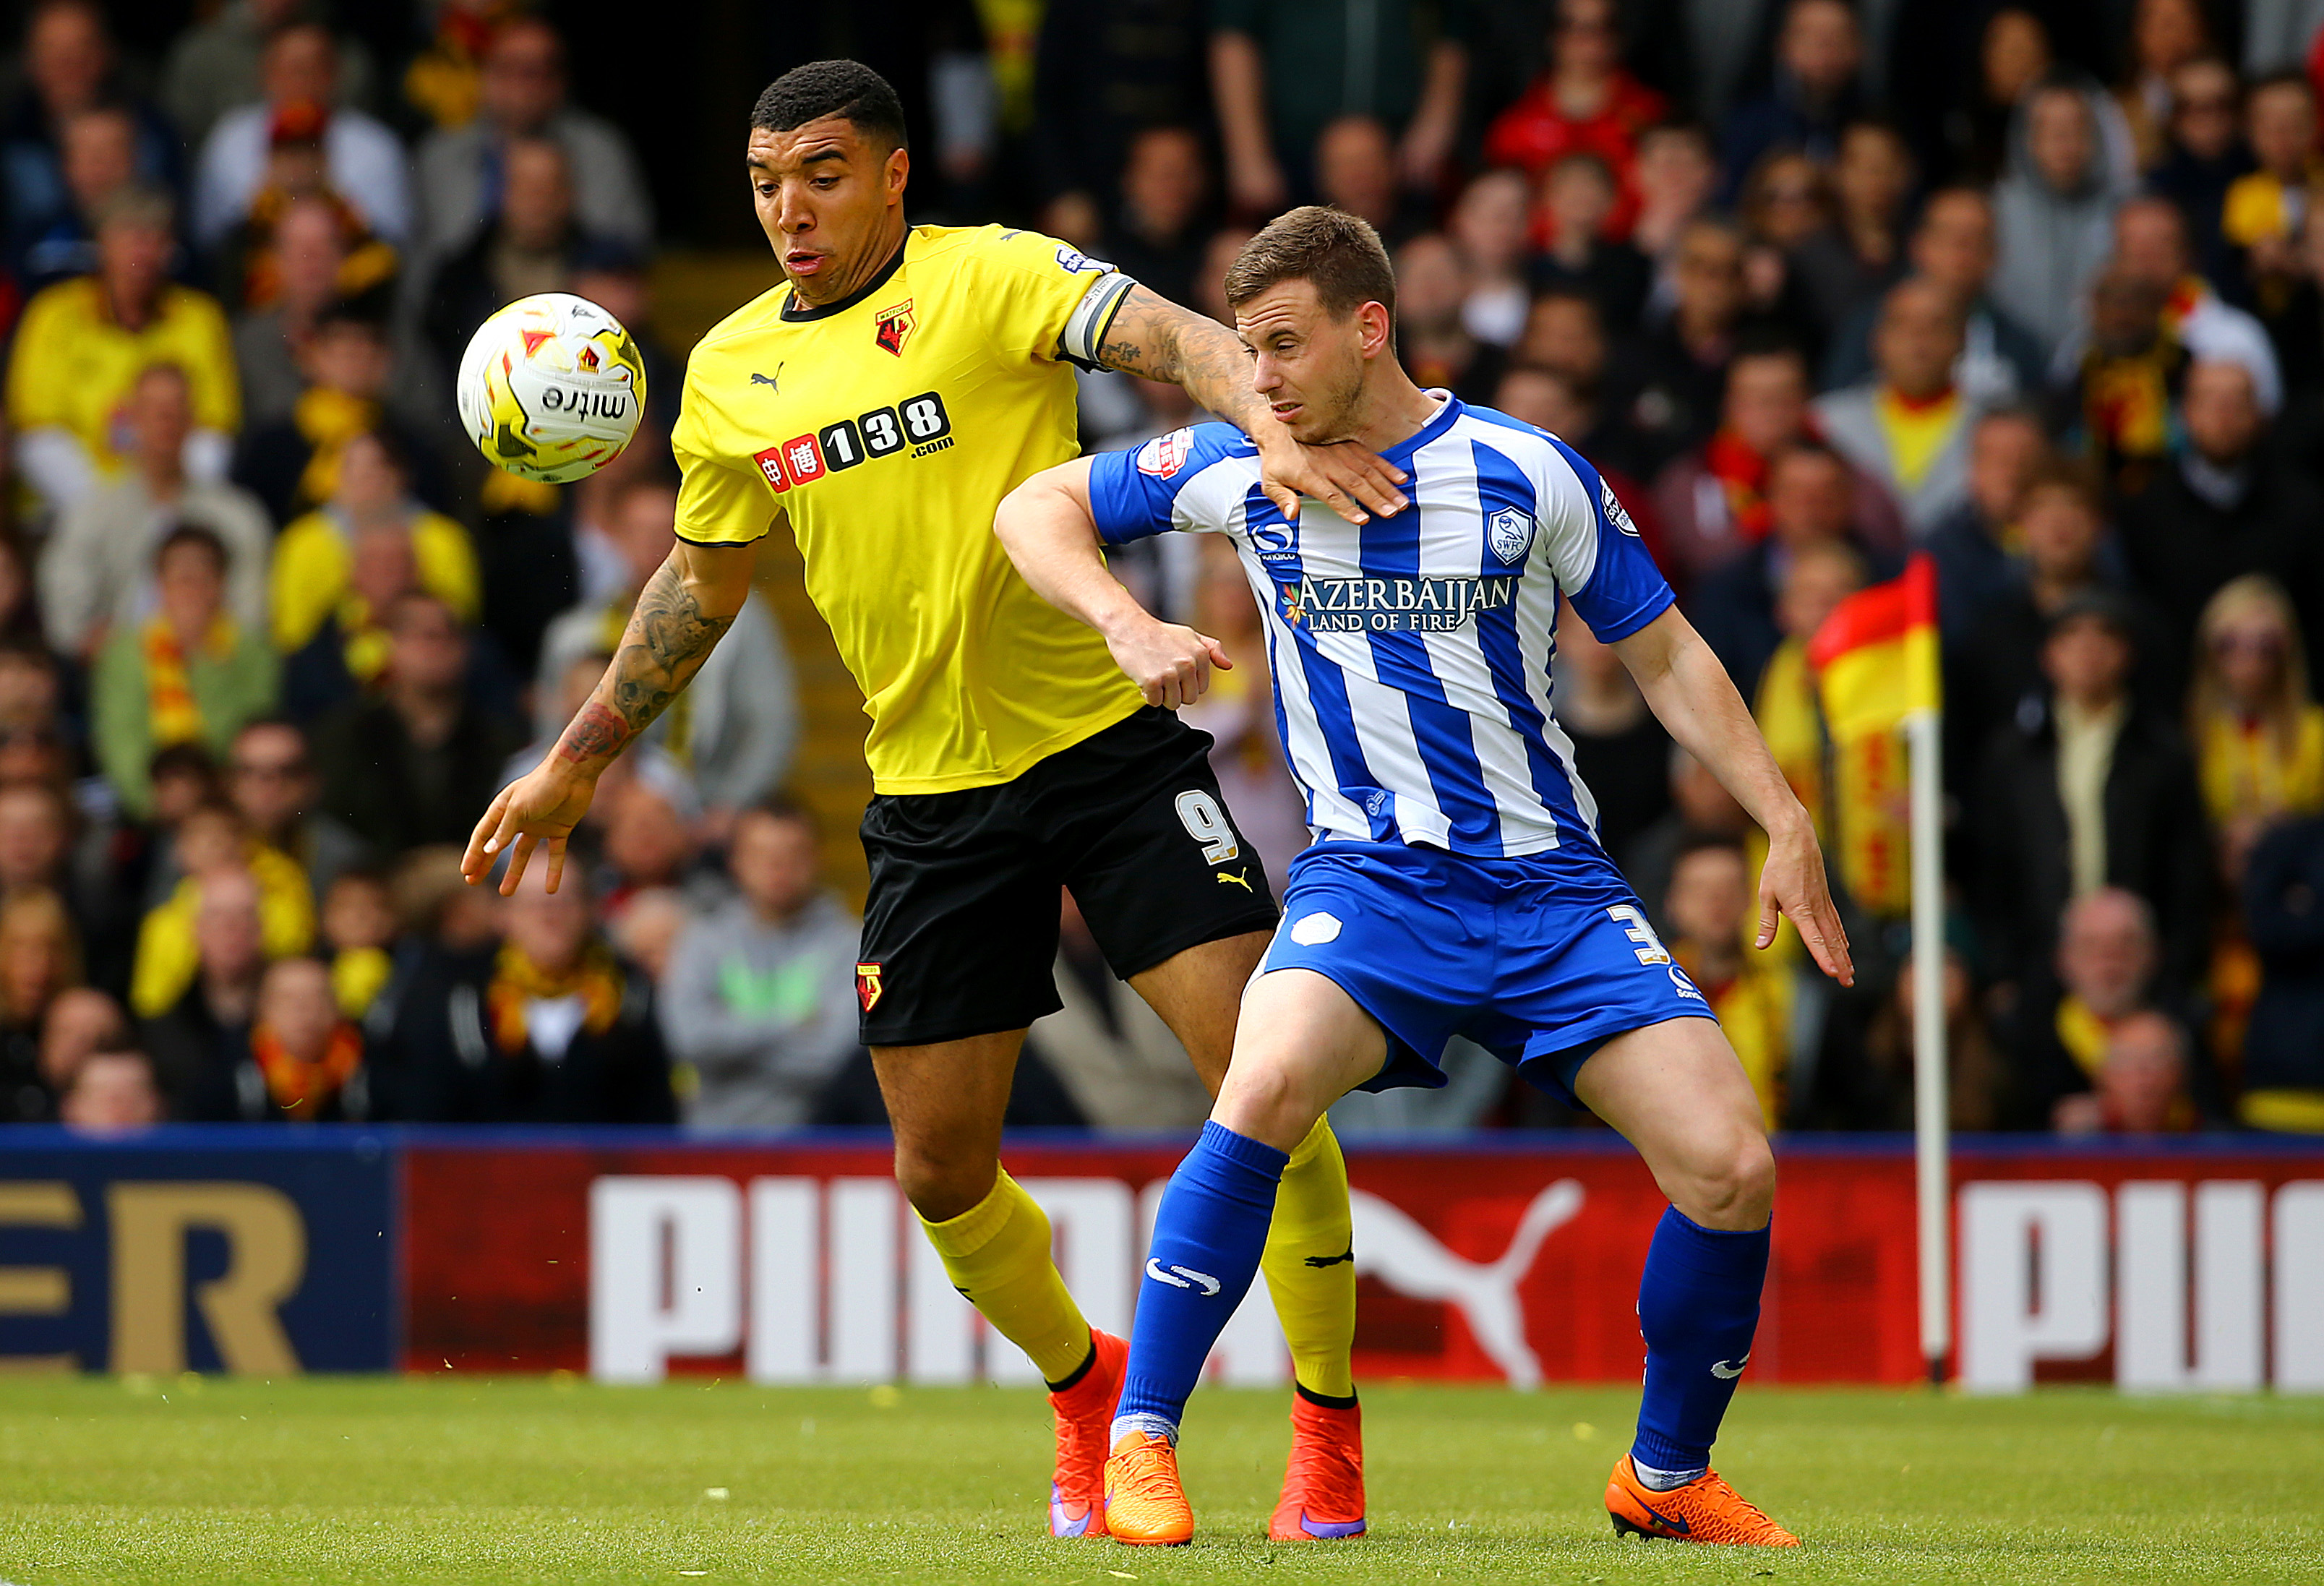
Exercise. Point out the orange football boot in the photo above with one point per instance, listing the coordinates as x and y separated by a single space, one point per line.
1145 1504
1323 1484
1084 1416
1706 1510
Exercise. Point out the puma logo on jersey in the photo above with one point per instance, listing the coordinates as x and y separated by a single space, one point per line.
1241 878
768 381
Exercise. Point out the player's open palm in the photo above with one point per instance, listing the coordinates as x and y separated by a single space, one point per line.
1793 885
1169 662
541 806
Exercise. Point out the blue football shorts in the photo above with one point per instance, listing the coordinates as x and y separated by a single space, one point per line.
1540 960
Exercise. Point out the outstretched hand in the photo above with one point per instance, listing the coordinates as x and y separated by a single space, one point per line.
1352 482
541 806
1792 885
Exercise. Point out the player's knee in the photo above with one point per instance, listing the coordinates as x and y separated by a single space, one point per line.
942 1183
1735 1185
1273 1101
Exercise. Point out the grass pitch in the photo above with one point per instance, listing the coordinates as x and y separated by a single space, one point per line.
461 1480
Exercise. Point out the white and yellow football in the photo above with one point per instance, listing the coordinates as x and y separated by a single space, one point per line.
551 388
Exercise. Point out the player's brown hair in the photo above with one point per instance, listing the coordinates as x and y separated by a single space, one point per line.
1340 254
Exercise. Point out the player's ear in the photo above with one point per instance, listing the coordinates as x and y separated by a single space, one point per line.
1375 330
898 169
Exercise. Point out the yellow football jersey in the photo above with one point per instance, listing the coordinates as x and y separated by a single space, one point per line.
887 427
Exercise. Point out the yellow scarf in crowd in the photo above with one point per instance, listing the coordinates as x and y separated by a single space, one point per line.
596 979
300 1089
2247 771
328 419
172 714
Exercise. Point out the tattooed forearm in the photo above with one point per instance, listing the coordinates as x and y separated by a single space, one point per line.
668 638
1155 337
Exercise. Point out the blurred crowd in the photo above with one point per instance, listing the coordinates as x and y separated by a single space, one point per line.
2036 288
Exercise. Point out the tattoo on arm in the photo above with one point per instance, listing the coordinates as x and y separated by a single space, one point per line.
1155 337
668 638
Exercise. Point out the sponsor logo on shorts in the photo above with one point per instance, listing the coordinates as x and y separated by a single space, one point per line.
868 985
1684 986
1235 878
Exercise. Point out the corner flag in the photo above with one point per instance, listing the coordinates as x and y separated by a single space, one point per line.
1875 656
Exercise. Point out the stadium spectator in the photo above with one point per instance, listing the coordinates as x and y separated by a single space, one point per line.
2204 157
1675 176
1111 1053
1815 578
1863 1077
2151 247
2224 506
2284 1044
1356 171
316 558
2053 207
208 841
2089 793
550 1028
1965 133
2164 35
1431 288
1711 906
1786 203
1853 261
1584 102
1280 72
362 162
1681 363
200 1040
82 1019
2141 1086
1818 54
112 1091
464 172
347 376
1952 248
2104 970
2263 213
98 158
359 928
2259 731
1155 232
759 999
737 734
305 1063
1578 250
35 837
1099 87
1710 502
39 961
2295 326
98 568
83 343
1700 810
652 826
218 64
308 257
68 68
191 671
530 245
1909 426
1971 544
1491 226
416 761
1809 493
1621 751
271 779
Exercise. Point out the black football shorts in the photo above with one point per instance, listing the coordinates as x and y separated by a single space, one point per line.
960 930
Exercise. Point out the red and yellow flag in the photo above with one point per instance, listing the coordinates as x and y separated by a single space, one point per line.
1875 656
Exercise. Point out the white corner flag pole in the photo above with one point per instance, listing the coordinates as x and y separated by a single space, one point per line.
1930 1093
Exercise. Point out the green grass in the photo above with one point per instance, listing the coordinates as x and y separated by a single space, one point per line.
460 1480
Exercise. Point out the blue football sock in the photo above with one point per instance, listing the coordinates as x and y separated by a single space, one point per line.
1698 1307
1208 1236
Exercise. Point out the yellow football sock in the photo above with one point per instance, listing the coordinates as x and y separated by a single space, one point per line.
998 1254
1310 1266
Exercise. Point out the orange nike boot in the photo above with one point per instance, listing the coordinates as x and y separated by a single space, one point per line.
1323 1484
1705 1509
1145 1504
1084 1416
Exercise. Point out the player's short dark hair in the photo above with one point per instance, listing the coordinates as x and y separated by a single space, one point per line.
1338 253
847 89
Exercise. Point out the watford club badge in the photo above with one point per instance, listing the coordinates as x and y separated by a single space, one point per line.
895 325
867 985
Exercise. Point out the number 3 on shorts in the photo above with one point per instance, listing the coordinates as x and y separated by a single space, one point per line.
1206 824
1650 946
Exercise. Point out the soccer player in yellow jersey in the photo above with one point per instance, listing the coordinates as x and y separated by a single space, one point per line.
881 401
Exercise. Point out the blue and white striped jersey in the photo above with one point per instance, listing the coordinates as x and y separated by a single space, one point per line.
1412 654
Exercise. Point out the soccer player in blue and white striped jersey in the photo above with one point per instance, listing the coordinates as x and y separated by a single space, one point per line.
1456 884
